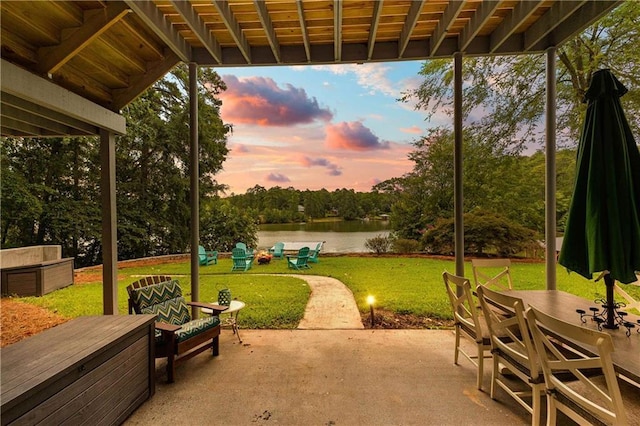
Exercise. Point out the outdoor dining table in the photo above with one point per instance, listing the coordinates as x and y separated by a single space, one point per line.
563 305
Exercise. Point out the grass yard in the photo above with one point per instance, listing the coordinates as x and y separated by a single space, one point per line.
402 285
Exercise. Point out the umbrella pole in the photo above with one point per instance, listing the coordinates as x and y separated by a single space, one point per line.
610 306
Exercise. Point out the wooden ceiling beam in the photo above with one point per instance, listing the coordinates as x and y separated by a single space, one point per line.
224 10
584 16
19 116
303 29
199 27
267 24
373 31
39 91
451 13
337 30
483 13
38 111
162 27
409 25
555 16
510 24
140 83
96 22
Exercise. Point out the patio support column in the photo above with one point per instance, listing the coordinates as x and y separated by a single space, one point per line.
195 190
457 164
109 222
550 175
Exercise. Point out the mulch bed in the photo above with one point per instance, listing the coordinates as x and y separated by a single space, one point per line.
21 320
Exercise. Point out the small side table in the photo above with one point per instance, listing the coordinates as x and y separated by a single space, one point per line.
232 320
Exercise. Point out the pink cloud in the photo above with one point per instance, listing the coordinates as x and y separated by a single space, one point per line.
332 168
239 149
259 100
352 136
277 177
415 130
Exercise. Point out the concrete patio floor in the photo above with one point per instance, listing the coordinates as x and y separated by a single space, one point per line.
328 377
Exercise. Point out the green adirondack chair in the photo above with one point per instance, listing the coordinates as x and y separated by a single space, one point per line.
313 254
248 251
241 262
278 250
300 261
207 257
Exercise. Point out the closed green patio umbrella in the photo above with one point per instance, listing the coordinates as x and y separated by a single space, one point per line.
603 226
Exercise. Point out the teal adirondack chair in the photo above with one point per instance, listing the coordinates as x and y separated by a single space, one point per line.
313 254
241 262
248 251
278 250
207 257
300 261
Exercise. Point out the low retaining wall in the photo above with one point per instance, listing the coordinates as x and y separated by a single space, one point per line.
34 271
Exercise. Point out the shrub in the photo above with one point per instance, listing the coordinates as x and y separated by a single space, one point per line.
378 244
482 231
405 245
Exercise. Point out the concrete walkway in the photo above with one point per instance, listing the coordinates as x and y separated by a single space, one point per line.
330 307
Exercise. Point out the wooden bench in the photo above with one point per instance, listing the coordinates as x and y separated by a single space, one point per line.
94 370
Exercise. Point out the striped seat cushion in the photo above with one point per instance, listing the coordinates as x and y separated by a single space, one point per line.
191 328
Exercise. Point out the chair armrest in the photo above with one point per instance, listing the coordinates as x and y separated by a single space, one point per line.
166 327
215 309
213 253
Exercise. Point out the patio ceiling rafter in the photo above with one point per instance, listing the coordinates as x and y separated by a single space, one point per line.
337 30
267 24
147 11
409 25
375 22
95 22
199 27
233 26
304 30
451 13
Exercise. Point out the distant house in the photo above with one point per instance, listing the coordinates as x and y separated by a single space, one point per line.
384 217
300 208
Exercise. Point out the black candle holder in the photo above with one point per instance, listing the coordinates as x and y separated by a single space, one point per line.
600 316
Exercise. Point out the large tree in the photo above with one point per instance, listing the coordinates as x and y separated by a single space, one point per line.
504 96
50 187
503 107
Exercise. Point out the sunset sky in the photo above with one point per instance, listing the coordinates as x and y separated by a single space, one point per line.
313 127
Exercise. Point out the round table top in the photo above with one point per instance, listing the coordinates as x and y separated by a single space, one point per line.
235 306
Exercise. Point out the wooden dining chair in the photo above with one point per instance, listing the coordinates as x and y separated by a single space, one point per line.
513 349
594 395
492 273
468 322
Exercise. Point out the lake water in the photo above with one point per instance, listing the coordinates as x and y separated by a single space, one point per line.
339 237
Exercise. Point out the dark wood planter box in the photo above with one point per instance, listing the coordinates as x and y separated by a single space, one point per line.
90 370
37 279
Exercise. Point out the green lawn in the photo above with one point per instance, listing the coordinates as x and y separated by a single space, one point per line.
399 284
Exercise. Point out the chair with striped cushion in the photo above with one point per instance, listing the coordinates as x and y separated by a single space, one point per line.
178 336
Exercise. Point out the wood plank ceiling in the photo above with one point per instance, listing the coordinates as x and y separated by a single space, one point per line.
109 52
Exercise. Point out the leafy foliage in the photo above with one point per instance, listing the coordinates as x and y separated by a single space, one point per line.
51 193
482 232
379 244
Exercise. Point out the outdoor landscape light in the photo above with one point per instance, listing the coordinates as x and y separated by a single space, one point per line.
370 301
